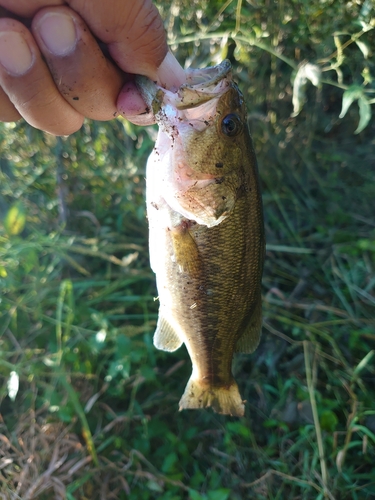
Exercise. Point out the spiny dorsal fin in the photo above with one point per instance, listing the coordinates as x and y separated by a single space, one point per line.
249 340
165 337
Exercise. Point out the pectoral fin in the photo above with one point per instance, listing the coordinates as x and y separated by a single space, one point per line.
185 250
165 337
211 201
249 340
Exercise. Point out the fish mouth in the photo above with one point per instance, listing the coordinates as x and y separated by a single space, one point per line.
207 77
201 86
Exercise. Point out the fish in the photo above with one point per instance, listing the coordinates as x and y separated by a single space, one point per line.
206 231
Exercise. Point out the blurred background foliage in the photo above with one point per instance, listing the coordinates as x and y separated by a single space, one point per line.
89 409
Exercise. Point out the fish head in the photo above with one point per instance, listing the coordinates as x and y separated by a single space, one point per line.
202 143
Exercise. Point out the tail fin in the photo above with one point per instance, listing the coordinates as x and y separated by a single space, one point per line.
225 400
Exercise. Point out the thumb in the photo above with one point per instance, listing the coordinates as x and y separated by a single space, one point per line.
130 103
134 34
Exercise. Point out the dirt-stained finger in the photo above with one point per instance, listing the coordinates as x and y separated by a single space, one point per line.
131 105
27 8
28 84
86 79
132 29
8 112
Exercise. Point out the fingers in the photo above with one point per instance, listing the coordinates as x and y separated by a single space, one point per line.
132 29
170 74
26 80
27 8
135 36
74 79
86 79
83 76
8 112
130 104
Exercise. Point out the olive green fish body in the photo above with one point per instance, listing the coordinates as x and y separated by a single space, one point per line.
206 236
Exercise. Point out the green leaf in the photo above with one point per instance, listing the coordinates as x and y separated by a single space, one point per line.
328 421
15 219
169 462
356 93
363 48
119 367
220 494
76 403
29 260
154 486
194 495
362 364
123 346
350 95
365 11
306 72
364 114
365 430
238 428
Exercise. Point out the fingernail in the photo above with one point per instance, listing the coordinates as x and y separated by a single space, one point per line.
58 33
15 54
170 73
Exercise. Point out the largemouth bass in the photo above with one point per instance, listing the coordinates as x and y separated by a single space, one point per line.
206 231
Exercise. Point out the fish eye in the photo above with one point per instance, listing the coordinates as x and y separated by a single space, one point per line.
231 125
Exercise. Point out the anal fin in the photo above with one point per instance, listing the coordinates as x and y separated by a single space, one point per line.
165 337
249 340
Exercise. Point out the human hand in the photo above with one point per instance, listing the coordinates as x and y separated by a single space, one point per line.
53 72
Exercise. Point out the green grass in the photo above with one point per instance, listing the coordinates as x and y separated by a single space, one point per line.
96 413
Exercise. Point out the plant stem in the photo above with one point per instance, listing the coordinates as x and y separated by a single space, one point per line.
310 386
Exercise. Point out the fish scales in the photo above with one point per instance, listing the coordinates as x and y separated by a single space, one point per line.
206 232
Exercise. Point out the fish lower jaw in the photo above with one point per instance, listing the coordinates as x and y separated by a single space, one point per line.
222 399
